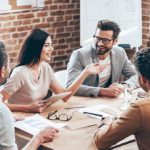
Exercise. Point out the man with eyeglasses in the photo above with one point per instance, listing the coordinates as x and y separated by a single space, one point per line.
113 60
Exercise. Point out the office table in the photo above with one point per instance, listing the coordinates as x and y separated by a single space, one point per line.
67 139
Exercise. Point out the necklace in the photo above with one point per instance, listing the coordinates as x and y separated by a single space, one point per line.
36 72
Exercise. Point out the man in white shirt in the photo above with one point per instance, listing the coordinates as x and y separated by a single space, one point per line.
112 58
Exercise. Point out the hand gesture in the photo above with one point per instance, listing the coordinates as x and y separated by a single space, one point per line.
93 68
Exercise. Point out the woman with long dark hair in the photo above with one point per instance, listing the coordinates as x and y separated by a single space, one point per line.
7 133
31 79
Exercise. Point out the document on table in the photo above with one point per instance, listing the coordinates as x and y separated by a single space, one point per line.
127 140
35 123
100 110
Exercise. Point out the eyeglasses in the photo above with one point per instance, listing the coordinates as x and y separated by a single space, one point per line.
105 41
61 117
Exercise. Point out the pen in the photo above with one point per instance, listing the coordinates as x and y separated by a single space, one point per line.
93 114
101 125
75 107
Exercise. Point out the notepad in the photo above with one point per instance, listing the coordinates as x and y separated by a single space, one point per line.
101 110
80 120
110 111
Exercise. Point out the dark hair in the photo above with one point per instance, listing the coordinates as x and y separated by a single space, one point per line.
142 62
3 55
109 25
32 47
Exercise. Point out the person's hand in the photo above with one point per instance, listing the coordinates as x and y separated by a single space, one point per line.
18 117
46 135
36 106
93 68
121 86
114 90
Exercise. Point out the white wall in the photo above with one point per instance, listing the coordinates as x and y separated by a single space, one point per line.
127 13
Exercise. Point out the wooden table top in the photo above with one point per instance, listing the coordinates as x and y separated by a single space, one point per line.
72 139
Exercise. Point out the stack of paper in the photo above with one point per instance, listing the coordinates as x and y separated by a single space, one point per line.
35 123
100 110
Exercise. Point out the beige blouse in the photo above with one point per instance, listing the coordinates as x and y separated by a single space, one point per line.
24 88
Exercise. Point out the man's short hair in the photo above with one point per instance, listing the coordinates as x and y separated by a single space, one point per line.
142 62
3 55
109 25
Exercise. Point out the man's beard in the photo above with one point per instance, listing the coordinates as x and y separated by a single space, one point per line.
102 50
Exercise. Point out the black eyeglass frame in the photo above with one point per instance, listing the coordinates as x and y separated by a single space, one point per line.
58 117
105 41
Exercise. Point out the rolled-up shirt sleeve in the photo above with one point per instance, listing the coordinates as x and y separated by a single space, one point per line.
129 123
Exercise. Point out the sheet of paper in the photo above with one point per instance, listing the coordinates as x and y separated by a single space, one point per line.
56 97
40 3
4 5
77 124
101 109
35 123
23 2
123 142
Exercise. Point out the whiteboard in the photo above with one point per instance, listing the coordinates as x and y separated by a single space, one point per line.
8 6
127 13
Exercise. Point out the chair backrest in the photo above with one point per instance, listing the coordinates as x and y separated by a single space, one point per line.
61 77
